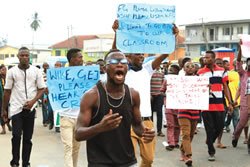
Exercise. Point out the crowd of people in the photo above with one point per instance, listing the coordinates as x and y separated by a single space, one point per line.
121 107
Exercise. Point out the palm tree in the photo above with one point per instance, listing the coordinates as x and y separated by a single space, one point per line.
35 24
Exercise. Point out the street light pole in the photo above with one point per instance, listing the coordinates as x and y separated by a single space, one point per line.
204 33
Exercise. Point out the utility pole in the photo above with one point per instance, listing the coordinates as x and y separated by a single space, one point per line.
70 33
204 33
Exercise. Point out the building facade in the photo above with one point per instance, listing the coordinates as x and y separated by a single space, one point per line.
215 34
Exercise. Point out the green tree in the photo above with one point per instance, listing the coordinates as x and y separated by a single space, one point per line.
35 24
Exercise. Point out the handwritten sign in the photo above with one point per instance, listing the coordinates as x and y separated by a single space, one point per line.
245 47
187 92
145 28
67 85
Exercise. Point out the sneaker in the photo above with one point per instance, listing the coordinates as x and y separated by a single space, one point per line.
234 142
160 134
211 158
188 161
14 165
9 127
177 146
228 129
169 147
3 132
51 126
57 129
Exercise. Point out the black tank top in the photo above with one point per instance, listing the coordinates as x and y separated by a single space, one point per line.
112 148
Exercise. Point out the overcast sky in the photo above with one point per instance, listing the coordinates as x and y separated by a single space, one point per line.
96 16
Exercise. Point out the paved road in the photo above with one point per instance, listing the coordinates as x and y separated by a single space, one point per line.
48 151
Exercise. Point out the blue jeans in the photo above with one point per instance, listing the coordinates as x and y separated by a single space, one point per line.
234 117
45 112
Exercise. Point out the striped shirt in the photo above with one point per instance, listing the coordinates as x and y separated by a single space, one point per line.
216 79
156 83
189 114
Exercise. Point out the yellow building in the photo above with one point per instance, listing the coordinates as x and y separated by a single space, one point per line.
7 52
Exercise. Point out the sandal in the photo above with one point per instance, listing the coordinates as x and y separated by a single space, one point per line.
3 132
221 146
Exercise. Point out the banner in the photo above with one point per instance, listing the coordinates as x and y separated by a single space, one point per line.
67 85
187 92
245 47
145 28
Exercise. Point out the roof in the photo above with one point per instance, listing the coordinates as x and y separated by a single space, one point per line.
7 46
223 49
73 42
219 22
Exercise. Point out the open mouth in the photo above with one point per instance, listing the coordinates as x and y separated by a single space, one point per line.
119 75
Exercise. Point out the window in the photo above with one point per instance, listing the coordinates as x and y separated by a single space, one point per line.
239 30
12 55
226 31
34 56
1 56
6 55
58 53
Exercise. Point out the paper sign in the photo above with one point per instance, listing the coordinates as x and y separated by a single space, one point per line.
145 28
67 85
187 92
245 47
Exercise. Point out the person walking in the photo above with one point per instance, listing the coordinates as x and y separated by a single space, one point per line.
24 86
107 112
214 117
68 119
138 77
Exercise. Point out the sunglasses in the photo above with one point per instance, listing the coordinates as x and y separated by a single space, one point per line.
190 66
116 61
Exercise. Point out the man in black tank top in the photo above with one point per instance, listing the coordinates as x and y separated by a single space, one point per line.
107 112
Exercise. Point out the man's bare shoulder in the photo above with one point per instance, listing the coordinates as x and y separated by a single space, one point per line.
93 92
134 93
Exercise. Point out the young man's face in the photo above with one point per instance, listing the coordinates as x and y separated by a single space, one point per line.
172 71
136 59
102 66
189 68
76 60
226 66
219 63
3 71
208 59
116 67
24 57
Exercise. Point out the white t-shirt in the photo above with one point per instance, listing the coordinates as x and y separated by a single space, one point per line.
69 112
140 81
182 72
23 90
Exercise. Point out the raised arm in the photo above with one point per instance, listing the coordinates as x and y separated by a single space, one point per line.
157 62
239 53
115 27
137 124
83 129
